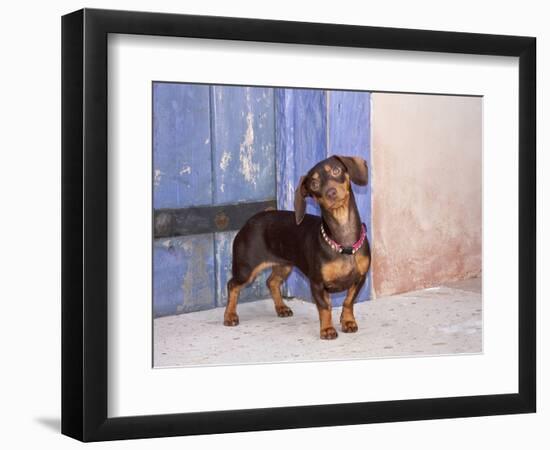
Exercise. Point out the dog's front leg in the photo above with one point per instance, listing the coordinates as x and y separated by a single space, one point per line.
324 306
347 319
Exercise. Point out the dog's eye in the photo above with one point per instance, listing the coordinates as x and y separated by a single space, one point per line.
336 171
314 185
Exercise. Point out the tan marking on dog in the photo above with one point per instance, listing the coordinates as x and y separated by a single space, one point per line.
230 317
335 269
362 262
348 301
347 183
338 268
341 214
315 175
327 168
347 319
349 296
233 297
325 317
259 268
341 211
277 277
347 306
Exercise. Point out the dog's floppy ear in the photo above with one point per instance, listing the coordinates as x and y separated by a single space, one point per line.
356 167
300 200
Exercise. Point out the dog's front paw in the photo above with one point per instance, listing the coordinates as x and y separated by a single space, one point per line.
283 311
349 326
329 333
230 319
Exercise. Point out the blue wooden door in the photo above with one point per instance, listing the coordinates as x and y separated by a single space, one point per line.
221 153
213 150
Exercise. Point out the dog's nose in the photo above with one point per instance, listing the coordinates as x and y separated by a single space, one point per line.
331 193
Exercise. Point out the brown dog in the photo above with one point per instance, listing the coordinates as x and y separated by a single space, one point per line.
332 251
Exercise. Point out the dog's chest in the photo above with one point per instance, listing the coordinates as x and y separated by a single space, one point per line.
342 272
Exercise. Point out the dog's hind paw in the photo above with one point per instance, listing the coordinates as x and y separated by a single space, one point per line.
329 333
283 311
231 320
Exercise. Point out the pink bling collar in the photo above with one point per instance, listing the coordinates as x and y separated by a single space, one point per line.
340 248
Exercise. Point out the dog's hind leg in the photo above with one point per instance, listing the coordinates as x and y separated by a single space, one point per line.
242 276
230 317
278 275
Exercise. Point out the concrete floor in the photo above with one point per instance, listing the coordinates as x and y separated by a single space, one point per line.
435 321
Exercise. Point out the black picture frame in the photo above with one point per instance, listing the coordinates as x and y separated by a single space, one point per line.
84 224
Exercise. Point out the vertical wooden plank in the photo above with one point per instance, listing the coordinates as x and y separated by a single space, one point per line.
224 250
183 267
284 148
301 137
181 145
243 131
349 135
183 274
244 143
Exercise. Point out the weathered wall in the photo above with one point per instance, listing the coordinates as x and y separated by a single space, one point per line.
426 181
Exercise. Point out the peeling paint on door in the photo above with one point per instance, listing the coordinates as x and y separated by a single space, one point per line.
244 151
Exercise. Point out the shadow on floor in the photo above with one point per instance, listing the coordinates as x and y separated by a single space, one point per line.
53 423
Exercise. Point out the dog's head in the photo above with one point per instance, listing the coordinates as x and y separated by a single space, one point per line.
328 183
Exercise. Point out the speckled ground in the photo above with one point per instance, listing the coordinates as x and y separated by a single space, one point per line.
435 321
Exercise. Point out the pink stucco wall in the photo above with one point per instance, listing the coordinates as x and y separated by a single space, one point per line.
426 181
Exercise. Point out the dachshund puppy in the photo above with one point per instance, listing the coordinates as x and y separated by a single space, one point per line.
332 251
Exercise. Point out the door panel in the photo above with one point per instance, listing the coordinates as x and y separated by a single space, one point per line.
349 131
182 162
244 144
183 274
